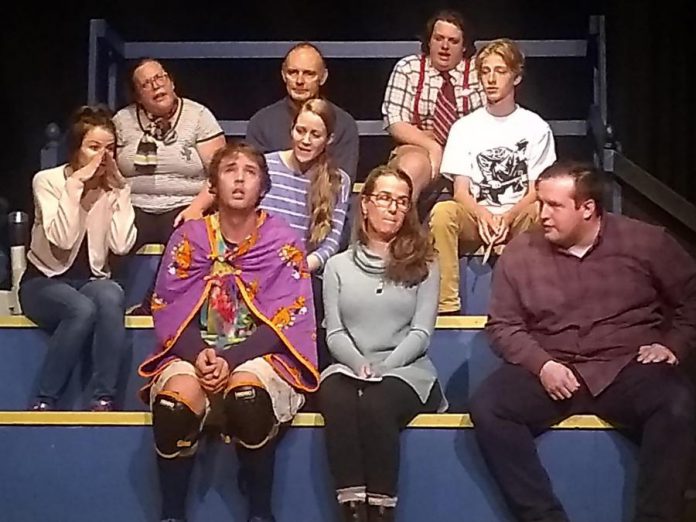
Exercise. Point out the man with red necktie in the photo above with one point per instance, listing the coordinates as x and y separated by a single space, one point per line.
427 93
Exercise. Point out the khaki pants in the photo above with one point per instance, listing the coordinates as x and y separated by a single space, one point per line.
455 230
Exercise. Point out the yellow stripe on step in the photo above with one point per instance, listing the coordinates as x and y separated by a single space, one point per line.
302 420
462 322
152 249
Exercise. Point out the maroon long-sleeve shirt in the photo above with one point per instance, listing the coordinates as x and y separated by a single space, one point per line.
635 286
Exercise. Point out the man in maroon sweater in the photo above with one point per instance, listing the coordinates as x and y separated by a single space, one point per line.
592 314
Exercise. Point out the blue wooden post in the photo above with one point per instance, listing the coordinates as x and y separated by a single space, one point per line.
50 151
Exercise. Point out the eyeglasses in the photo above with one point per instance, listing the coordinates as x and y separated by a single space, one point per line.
385 199
158 79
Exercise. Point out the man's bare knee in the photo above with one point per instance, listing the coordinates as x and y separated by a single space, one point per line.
416 164
189 389
243 378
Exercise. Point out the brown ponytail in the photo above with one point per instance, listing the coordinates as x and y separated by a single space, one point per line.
324 189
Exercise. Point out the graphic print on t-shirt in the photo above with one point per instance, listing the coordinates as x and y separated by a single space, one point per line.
504 172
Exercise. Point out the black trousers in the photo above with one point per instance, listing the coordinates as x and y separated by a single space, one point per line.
152 228
323 355
511 407
363 421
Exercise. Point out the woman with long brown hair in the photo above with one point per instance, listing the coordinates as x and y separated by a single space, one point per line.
306 188
83 217
380 300
311 194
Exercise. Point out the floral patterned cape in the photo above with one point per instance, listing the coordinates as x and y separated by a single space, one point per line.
270 272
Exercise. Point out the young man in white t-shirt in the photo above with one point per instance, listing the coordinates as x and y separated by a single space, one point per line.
493 155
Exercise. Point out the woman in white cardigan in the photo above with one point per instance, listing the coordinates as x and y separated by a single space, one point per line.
83 213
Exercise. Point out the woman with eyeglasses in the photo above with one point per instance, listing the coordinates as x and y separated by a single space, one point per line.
380 300
165 143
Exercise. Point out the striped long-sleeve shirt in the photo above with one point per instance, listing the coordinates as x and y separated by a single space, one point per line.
288 199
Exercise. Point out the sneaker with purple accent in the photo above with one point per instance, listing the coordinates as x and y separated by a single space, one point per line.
102 404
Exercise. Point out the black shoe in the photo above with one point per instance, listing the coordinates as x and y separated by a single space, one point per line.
143 308
43 405
103 404
380 513
354 511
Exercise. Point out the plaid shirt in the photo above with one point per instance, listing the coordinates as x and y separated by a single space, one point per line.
593 313
400 95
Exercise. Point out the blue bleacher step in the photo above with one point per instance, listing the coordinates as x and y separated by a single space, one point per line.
87 467
459 351
475 284
475 279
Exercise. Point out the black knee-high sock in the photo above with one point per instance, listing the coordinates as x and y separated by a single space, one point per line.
256 477
174 476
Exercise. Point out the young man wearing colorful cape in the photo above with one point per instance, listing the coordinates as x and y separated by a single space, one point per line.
234 319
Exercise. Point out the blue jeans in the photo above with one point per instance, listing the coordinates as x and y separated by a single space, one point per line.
75 311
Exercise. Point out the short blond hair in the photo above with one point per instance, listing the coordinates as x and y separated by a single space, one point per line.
508 50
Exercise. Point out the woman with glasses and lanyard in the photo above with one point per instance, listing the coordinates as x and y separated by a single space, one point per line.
165 143
380 301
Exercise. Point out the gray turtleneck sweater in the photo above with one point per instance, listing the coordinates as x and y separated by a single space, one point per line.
370 320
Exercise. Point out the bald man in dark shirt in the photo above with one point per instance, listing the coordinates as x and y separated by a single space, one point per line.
304 73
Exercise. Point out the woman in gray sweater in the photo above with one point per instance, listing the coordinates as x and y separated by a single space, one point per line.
380 299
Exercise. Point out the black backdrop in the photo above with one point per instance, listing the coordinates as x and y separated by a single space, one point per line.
44 62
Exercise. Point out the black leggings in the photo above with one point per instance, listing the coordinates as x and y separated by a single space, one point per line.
323 356
363 422
152 228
